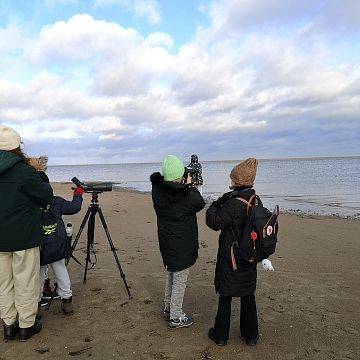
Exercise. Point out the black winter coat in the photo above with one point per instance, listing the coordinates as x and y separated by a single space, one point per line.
176 206
56 246
22 193
223 214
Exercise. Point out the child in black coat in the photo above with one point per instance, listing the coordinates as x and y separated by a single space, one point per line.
53 251
228 214
176 203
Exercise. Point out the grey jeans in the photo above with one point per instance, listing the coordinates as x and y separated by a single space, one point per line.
61 277
174 292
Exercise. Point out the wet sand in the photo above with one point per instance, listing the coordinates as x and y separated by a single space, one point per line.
308 308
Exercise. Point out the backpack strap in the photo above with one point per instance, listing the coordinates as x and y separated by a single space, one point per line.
232 255
247 203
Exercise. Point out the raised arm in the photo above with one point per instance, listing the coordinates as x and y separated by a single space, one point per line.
195 201
74 206
219 217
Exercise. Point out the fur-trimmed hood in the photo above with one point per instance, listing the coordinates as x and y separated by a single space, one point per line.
166 192
8 160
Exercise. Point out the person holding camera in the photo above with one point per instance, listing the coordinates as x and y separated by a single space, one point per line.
56 246
176 203
22 194
228 214
196 179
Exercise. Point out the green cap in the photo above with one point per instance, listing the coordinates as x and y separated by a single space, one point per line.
173 168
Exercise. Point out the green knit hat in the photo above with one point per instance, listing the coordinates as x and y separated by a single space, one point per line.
173 168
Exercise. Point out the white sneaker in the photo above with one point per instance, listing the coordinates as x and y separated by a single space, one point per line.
184 321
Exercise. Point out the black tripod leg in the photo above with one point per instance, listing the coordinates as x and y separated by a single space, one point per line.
113 249
90 240
75 259
82 226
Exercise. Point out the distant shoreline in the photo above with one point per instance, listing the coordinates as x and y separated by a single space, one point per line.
225 161
294 212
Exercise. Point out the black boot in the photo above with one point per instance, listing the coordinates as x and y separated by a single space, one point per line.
10 332
216 341
252 342
27 333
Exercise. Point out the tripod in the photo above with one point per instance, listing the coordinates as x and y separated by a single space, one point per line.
90 216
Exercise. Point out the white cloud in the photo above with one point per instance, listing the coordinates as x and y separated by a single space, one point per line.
240 15
244 14
339 16
243 86
82 38
148 9
122 61
159 39
135 73
110 137
11 39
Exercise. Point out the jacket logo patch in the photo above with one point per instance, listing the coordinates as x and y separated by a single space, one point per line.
50 229
269 230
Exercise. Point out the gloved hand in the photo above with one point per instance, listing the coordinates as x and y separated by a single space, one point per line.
79 191
223 199
214 203
267 265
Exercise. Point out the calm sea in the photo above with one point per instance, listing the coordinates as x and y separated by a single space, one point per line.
312 186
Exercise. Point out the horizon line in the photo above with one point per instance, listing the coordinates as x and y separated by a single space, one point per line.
227 160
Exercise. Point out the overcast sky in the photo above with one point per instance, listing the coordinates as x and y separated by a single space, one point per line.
112 81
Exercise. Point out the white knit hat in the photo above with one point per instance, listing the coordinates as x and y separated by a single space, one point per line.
9 138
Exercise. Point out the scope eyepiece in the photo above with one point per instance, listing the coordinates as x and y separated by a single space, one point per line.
92 187
77 182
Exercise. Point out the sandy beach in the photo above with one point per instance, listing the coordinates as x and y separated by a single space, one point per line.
308 308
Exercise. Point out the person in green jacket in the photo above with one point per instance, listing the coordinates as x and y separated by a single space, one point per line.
22 195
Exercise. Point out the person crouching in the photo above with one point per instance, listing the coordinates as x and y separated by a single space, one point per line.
228 214
176 203
56 247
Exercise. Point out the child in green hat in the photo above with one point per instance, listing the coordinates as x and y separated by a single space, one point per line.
176 203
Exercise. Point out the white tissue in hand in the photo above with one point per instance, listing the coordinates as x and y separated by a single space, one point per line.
267 265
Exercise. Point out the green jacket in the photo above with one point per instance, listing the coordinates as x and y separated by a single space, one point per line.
22 193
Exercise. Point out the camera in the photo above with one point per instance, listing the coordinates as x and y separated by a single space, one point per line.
188 171
92 187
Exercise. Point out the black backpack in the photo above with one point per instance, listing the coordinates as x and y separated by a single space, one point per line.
56 244
259 236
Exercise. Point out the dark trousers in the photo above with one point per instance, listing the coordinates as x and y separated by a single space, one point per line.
248 318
